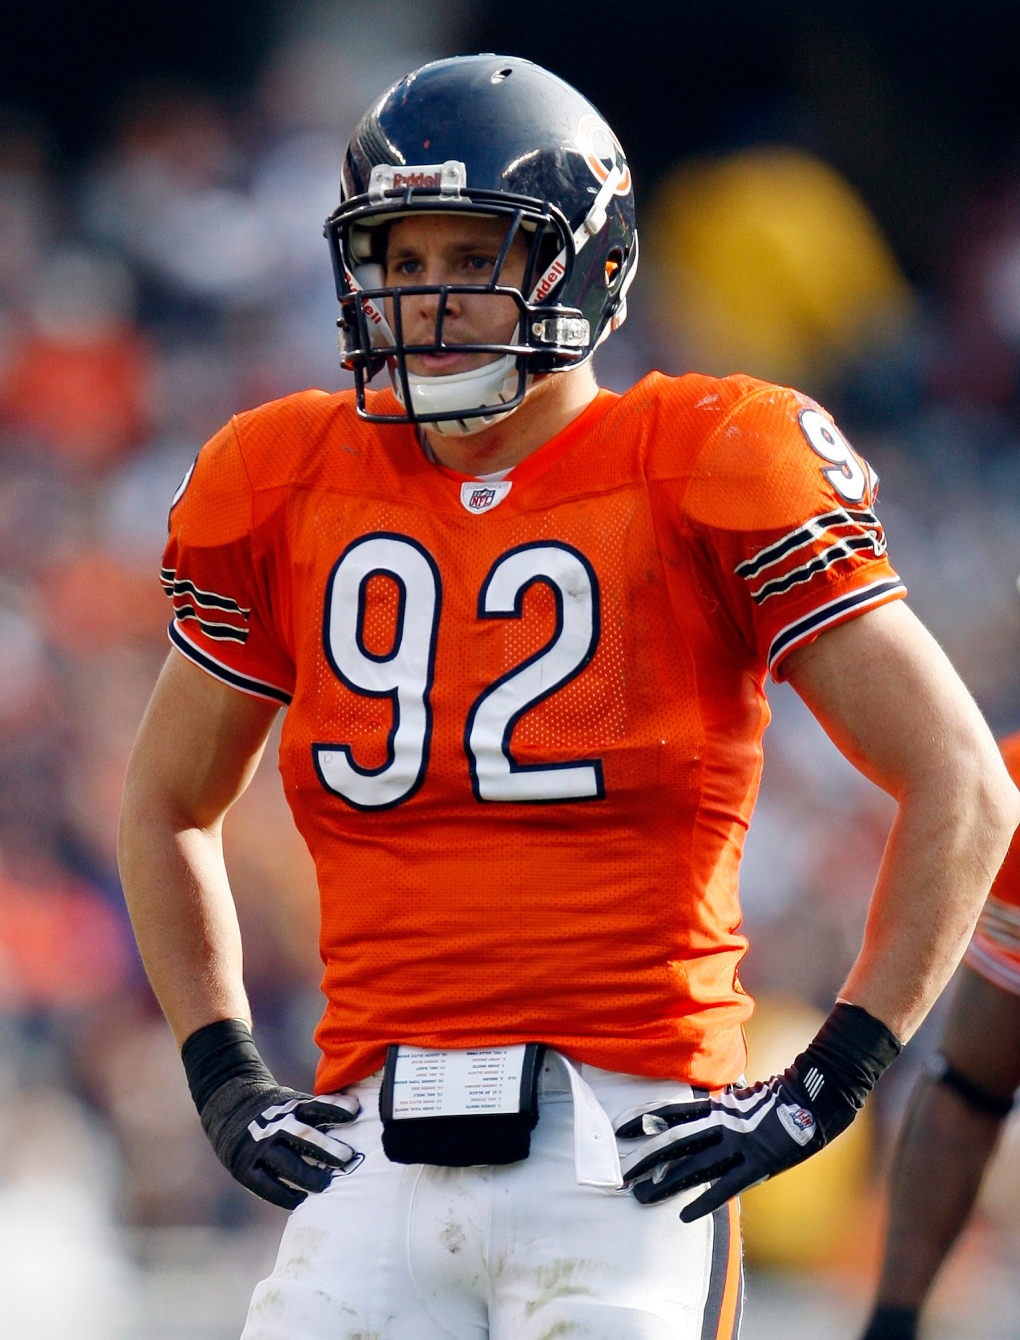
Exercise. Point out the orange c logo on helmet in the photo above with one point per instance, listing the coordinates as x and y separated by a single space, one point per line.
602 151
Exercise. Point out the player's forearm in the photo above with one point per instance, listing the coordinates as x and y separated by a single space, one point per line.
946 845
183 915
944 1148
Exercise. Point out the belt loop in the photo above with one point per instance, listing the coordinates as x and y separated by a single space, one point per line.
596 1157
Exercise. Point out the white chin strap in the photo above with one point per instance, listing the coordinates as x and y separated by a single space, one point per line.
488 385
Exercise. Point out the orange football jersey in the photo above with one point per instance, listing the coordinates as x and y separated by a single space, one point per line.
994 951
523 737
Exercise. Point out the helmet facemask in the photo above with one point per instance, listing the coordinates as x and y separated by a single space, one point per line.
374 314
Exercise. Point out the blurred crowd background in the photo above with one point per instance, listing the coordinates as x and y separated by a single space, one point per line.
829 197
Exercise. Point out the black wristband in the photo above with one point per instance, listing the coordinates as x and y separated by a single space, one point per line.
850 1050
218 1052
892 1323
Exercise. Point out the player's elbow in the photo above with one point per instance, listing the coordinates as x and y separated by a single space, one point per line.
152 813
987 801
1000 803
138 814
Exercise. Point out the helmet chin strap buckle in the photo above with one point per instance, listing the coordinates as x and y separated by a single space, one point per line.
570 331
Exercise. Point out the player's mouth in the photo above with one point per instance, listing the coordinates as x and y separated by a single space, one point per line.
438 365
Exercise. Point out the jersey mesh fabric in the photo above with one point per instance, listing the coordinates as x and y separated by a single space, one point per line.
994 950
605 924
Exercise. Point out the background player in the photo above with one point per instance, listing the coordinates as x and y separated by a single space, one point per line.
522 627
957 1109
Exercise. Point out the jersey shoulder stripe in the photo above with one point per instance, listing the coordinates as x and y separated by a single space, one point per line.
207 599
802 536
840 549
222 632
191 602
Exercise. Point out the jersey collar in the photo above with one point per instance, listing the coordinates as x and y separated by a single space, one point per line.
545 456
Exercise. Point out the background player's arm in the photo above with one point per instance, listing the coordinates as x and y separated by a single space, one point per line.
197 748
947 1139
888 697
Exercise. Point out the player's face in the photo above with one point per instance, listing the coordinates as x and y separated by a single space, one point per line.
453 249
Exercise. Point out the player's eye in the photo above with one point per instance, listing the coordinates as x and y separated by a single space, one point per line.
479 264
407 267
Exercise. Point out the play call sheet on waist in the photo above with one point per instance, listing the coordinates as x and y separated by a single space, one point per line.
457 1083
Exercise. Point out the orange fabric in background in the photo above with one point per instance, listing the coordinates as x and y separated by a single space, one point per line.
61 946
85 400
93 601
607 926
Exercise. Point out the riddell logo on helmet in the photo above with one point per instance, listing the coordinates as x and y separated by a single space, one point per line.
549 280
448 178
401 180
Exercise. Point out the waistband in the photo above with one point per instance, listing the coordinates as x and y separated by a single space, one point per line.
596 1155
554 1080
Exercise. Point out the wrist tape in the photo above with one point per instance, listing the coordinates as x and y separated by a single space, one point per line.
218 1052
843 1063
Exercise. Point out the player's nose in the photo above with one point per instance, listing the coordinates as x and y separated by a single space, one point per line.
429 305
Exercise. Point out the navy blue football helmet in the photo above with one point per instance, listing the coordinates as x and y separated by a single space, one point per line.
497 136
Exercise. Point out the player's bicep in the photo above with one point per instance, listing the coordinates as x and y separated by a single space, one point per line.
888 697
197 747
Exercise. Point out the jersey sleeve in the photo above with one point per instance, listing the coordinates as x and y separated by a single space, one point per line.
220 575
994 951
787 507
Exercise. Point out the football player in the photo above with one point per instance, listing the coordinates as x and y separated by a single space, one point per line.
521 627
958 1107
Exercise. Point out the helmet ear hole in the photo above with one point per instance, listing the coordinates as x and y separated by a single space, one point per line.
614 268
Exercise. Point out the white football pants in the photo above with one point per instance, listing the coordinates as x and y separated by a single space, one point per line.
520 1252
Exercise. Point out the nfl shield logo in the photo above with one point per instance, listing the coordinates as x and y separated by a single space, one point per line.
798 1122
477 496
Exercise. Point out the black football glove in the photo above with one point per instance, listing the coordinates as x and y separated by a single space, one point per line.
276 1142
734 1139
739 1137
